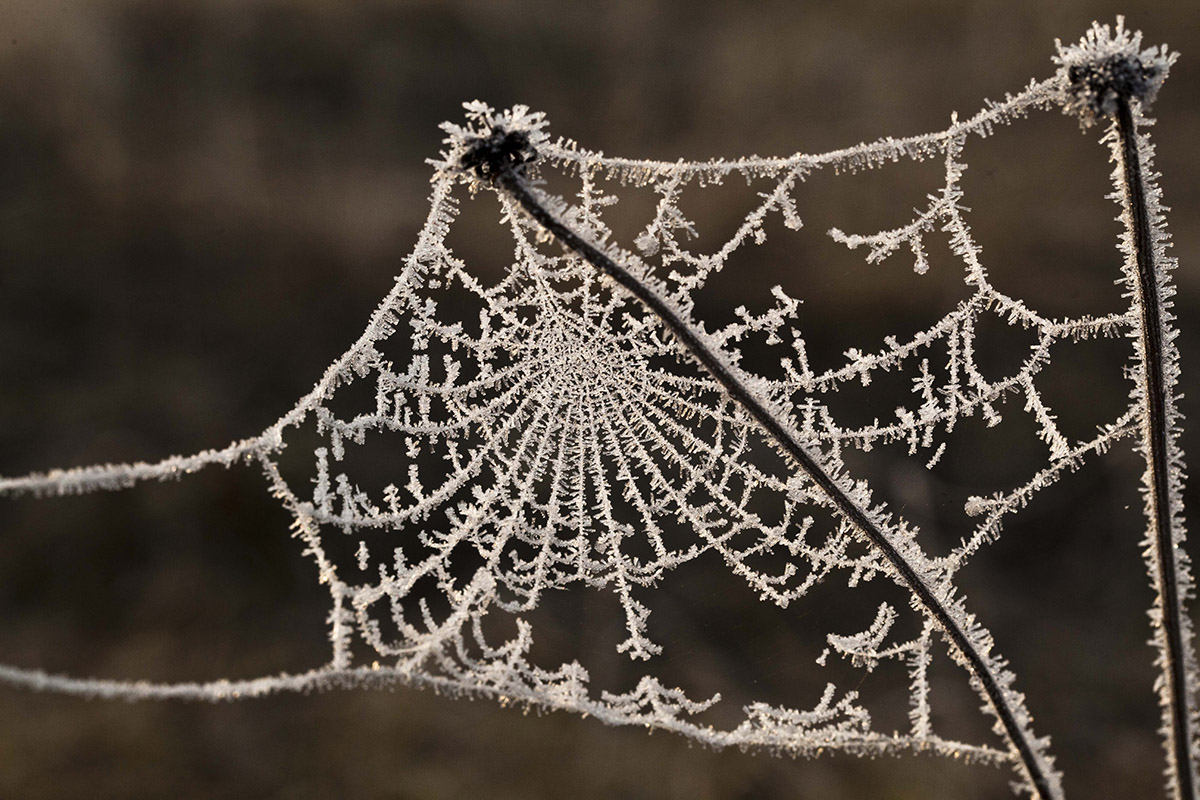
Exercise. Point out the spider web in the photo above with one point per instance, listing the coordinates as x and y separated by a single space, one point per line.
538 430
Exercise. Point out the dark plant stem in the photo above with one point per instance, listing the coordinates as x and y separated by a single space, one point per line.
1157 457
509 180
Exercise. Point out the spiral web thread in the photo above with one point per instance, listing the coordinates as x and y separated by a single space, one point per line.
553 437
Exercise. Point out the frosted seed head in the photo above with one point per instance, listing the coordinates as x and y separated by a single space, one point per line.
1097 87
500 152
493 143
1108 65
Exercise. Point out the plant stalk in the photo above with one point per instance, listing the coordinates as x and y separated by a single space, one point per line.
734 381
1156 401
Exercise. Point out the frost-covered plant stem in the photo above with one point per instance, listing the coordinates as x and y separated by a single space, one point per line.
1169 617
500 159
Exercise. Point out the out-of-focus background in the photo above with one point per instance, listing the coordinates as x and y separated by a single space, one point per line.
200 204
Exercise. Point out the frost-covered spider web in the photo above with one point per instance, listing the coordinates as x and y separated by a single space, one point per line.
539 430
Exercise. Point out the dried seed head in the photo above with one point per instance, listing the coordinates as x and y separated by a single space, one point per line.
1106 66
499 152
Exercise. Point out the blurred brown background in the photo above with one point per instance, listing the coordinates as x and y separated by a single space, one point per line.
200 204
